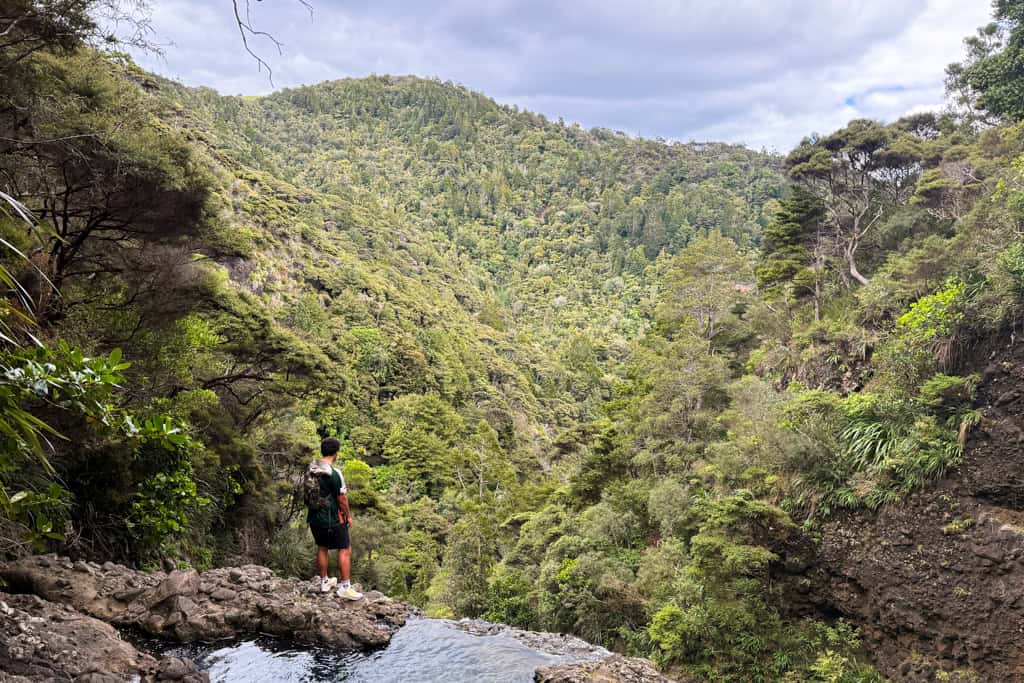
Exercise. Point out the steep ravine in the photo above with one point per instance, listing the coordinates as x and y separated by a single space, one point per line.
937 583
57 622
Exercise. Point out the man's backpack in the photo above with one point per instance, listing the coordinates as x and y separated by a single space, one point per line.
312 492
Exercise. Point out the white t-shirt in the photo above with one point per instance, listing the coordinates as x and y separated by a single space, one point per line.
344 488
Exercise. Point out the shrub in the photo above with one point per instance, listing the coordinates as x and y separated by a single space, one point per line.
927 338
509 599
869 449
290 552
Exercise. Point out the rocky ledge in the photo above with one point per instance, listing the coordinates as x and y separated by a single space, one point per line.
44 641
217 604
57 622
611 669
595 663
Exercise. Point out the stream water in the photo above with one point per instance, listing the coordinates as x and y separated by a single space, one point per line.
423 650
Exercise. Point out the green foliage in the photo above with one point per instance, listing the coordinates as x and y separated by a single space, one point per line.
359 480
64 378
858 175
958 526
563 400
1012 260
421 440
927 338
81 393
508 599
948 392
722 621
461 585
990 79
791 245
935 315
602 463
873 449
35 516
162 508
704 284
289 554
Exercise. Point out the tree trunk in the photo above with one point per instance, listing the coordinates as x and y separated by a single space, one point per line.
854 273
817 300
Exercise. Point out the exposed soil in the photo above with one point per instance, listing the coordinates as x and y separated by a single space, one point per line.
937 583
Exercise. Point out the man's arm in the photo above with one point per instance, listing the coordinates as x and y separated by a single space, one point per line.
342 490
343 506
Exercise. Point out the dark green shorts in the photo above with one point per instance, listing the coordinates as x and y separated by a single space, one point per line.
332 538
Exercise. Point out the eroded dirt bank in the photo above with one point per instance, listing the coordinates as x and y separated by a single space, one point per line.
937 583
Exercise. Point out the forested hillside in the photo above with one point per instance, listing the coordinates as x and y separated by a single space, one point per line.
584 382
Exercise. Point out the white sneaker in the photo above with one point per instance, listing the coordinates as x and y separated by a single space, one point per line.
327 583
349 593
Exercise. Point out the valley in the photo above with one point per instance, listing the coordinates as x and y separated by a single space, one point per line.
750 416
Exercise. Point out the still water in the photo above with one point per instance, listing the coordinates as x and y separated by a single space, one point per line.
423 650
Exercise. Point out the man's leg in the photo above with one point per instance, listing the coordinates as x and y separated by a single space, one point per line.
321 561
344 563
346 591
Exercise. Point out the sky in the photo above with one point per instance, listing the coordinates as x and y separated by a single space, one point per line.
764 73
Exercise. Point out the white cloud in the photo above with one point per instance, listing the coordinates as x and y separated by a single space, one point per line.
763 73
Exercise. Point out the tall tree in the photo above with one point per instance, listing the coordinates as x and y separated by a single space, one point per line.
857 172
27 26
991 79
704 283
794 249
82 149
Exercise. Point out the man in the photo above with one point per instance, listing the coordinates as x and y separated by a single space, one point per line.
329 518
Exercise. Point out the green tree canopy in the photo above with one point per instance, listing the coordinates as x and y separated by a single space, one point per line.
991 79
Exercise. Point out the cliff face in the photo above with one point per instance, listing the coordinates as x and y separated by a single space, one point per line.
937 583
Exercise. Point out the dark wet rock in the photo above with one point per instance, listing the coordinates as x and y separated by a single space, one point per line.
45 641
611 669
552 643
217 604
591 662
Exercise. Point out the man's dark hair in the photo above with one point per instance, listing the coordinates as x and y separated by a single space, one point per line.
329 446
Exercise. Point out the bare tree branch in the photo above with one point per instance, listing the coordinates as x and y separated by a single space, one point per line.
247 30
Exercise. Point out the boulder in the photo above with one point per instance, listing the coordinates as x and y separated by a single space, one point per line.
611 669
45 641
177 583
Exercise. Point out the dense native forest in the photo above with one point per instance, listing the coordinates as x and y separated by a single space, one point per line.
584 382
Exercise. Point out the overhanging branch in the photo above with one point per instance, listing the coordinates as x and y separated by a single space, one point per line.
246 30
